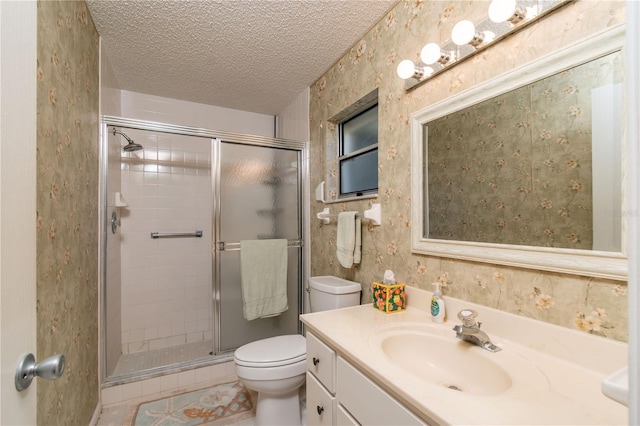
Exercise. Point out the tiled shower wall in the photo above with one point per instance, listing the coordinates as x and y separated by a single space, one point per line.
166 282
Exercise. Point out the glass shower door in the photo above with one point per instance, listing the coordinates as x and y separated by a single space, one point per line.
257 196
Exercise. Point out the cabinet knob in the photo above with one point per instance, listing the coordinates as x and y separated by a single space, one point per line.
320 409
316 361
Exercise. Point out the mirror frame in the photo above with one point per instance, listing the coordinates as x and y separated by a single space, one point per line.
611 265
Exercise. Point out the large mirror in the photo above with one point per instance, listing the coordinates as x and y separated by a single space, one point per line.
526 169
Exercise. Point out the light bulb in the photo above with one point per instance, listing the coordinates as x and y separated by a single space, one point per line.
531 12
464 32
431 53
406 69
489 36
505 10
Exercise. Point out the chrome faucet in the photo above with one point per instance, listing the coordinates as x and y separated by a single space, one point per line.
470 331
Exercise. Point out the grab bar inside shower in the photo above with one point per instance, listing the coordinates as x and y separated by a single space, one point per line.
197 234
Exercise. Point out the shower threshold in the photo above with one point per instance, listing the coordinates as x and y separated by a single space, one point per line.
142 361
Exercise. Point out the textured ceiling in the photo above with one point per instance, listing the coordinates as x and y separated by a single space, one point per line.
251 55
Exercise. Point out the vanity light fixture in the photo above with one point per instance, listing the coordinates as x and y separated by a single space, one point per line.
407 69
432 53
506 10
468 38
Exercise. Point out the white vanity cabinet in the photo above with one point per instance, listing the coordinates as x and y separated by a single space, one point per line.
366 402
339 394
321 379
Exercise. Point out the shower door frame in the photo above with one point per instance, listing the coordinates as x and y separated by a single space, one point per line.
230 137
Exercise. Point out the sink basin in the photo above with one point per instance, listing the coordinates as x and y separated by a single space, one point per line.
448 362
433 354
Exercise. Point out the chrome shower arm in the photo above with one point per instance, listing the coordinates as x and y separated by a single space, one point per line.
121 133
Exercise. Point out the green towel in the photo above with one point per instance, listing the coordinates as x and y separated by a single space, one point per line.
263 276
348 240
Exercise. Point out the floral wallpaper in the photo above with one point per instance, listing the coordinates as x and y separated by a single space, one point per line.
592 305
67 209
517 168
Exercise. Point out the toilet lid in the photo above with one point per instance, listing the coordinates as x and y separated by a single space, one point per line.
272 352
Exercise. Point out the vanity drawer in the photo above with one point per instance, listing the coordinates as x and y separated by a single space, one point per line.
343 418
368 403
320 403
321 361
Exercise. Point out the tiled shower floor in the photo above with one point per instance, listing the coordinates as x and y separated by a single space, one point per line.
139 361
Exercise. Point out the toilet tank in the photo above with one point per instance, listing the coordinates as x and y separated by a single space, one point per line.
329 292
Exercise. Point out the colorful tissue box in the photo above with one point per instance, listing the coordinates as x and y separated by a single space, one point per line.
389 298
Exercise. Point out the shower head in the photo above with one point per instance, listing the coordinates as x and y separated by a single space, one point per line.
131 145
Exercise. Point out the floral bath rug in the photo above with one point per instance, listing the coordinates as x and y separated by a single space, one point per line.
222 404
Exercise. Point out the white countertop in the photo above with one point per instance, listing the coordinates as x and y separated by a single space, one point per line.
566 366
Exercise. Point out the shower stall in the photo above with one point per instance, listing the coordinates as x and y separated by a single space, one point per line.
176 203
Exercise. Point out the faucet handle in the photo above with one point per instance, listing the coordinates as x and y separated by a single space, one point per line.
468 317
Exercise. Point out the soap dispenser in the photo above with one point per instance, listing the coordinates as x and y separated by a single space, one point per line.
437 305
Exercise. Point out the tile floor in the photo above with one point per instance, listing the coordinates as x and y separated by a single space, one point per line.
168 384
120 409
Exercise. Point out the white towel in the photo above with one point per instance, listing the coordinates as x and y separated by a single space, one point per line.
357 250
349 237
263 274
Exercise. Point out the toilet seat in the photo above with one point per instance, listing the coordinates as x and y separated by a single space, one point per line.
272 352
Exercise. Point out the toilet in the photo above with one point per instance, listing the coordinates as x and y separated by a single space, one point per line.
276 367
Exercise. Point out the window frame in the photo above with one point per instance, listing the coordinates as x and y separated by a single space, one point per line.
369 148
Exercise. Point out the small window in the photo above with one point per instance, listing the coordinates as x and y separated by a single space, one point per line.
358 153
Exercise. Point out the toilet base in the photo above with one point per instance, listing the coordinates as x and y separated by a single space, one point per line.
278 409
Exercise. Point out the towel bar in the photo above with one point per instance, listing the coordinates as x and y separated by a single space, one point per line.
374 214
223 246
324 214
197 234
